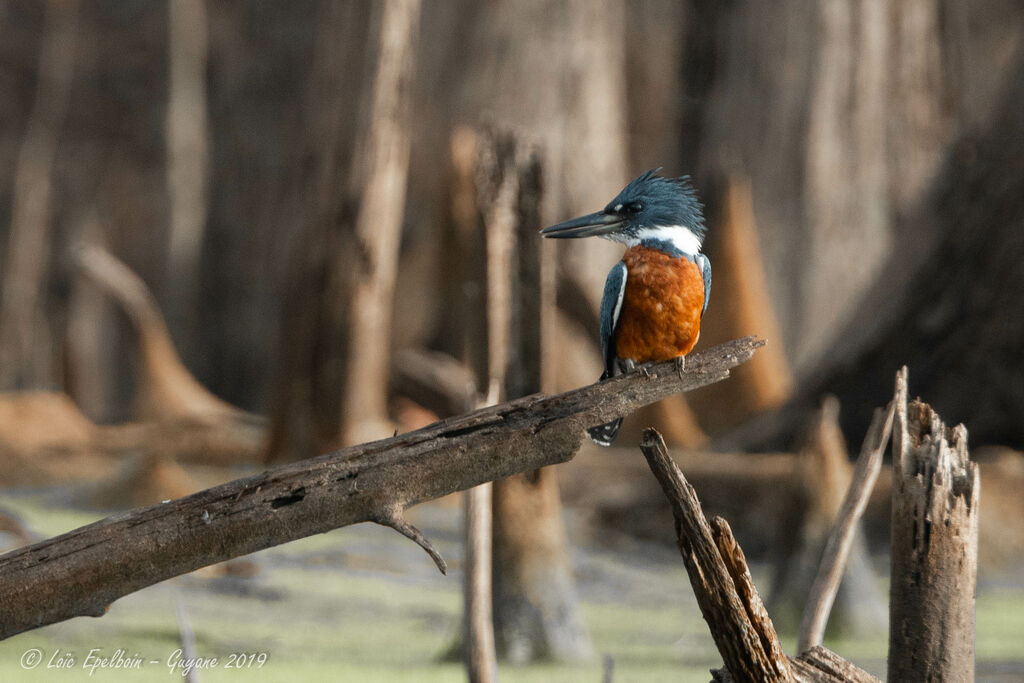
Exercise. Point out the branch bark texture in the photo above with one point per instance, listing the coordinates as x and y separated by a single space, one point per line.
725 593
81 572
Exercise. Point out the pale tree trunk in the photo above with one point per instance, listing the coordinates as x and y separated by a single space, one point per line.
188 159
466 323
496 191
381 168
478 636
25 349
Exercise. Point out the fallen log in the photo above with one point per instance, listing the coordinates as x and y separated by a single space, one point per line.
81 572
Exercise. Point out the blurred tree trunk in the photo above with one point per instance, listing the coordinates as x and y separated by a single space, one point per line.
25 347
822 473
109 187
936 190
262 123
306 407
188 160
336 326
839 113
958 324
740 305
463 325
654 49
559 74
92 363
165 387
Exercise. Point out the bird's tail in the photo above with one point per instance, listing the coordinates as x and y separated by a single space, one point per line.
604 435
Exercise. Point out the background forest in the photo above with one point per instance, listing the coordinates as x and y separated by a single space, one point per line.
234 234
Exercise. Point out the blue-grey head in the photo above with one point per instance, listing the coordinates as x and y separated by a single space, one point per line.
651 209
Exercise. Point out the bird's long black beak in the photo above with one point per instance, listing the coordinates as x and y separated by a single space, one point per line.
591 225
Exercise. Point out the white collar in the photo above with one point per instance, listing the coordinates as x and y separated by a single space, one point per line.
679 236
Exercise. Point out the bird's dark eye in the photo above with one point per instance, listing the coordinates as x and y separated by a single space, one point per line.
635 207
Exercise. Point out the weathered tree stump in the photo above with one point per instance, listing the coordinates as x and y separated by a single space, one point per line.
934 548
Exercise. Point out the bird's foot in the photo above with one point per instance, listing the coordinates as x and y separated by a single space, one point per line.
642 370
680 365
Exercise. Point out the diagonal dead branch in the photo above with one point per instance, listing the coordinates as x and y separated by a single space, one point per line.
739 640
840 540
83 571
726 594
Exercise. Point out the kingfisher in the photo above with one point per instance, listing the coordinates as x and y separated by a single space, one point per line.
655 297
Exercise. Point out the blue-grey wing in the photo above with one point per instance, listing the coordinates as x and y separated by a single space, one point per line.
705 269
611 306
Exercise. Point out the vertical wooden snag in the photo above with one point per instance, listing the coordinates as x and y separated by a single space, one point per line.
934 547
536 615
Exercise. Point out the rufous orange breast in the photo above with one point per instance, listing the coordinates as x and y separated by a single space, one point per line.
661 307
